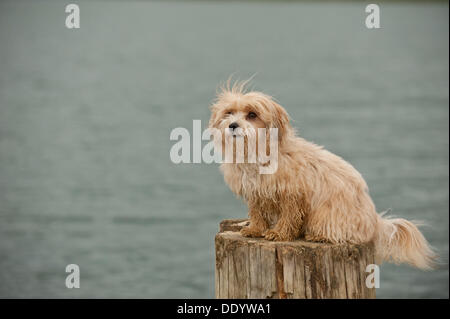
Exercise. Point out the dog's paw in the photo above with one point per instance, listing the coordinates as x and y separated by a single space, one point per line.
275 236
250 232
272 235
316 239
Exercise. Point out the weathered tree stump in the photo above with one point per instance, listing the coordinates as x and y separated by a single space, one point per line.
257 268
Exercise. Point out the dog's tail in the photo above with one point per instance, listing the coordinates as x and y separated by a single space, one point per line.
400 241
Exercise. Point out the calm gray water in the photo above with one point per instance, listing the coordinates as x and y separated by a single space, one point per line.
85 118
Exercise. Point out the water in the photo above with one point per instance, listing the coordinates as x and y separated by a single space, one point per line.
85 118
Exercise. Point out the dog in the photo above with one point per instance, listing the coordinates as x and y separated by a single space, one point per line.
314 194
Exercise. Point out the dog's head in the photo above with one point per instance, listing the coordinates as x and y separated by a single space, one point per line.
236 112
249 119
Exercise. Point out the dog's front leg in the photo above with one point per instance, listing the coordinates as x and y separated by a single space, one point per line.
288 226
258 224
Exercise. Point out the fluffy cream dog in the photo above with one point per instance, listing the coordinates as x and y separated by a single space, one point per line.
313 193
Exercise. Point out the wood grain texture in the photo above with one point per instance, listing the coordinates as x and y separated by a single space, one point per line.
256 268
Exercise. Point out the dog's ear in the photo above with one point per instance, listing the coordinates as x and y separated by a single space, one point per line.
214 119
280 119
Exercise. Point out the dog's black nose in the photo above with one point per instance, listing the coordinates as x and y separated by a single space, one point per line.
233 125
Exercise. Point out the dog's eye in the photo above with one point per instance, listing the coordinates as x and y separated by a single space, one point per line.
251 115
229 113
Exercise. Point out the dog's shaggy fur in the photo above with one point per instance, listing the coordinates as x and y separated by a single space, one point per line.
313 194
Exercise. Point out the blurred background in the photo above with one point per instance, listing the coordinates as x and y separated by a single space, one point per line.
85 118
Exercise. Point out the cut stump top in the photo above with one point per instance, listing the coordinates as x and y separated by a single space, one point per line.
230 228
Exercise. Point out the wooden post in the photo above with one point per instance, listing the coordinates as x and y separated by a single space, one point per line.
257 268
